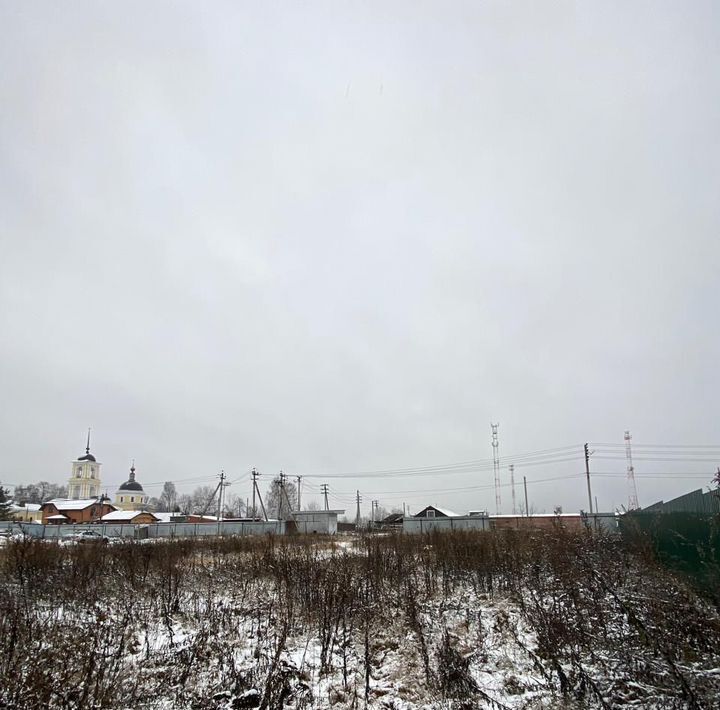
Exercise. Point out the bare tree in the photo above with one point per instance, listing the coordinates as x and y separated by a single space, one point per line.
234 506
275 503
168 497
185 503
203 499
39 492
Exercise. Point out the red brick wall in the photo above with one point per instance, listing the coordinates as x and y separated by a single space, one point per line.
87 515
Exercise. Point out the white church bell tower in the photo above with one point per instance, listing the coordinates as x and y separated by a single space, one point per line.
84 480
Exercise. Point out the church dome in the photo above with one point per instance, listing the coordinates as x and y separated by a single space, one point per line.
131 484
88 456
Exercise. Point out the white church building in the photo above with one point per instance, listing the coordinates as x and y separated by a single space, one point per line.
85 480
85 483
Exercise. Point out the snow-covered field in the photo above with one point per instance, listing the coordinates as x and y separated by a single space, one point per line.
452 621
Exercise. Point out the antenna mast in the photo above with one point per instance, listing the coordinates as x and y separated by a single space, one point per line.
512 486
496 465
632 488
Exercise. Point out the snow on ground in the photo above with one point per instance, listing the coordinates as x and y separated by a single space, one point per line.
488 633
342 624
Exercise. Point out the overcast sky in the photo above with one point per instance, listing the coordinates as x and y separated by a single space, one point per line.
346 236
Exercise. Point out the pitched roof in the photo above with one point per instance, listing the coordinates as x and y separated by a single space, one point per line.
120 515
68 504
444 511
28 507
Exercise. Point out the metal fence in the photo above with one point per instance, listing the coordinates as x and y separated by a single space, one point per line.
697 501
464 522
143 532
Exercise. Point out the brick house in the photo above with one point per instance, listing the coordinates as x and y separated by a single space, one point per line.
88 510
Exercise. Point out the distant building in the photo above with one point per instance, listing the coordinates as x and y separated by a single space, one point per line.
131 517
432 518
432 511
84 481
28 513
393 521
315 521
63 510
551 521
130 495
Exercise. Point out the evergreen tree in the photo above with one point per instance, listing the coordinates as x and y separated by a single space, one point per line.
5 513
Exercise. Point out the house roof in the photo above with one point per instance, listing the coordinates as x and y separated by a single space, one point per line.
57 517
119 515
68 504
28 508
445 511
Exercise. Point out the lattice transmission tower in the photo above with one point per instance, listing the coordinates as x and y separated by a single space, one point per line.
496 465
632 488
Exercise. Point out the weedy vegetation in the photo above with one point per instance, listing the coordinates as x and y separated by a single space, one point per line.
452 620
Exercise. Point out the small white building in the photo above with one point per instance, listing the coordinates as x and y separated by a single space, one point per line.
28 513
323 522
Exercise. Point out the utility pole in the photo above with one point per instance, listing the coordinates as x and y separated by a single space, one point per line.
527 510
587 475
299 484
357 510
221 498
254 475
496 465
325 488
282 496
632 487
256 491
512 486
374 507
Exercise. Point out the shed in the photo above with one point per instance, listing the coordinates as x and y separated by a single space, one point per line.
132 517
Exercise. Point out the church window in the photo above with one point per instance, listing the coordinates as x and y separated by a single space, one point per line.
132 500
92 471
